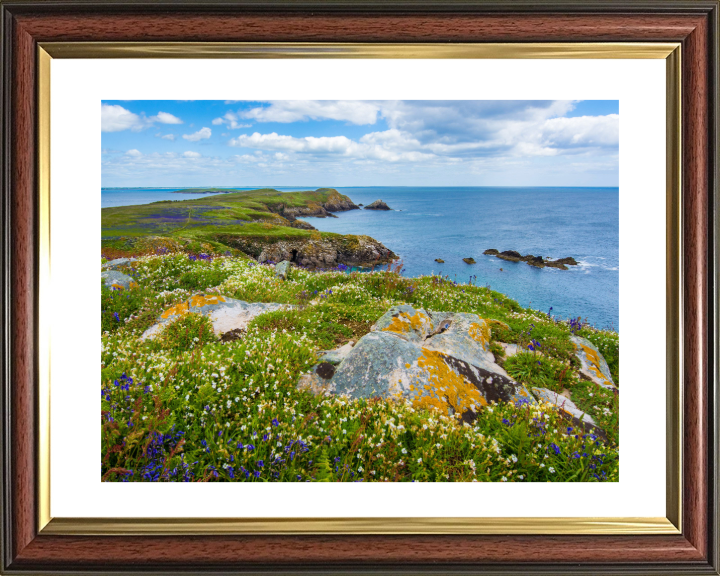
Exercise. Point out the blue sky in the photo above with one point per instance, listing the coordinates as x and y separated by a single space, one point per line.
360 143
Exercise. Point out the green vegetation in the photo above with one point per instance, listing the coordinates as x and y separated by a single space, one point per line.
189 407
244 213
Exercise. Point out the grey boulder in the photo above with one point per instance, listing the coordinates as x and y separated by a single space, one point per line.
117 280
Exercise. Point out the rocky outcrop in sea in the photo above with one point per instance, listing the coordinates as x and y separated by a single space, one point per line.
378 205
537 261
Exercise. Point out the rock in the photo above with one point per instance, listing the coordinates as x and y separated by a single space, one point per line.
592 364
118 280
302 225
360 204
226 314
537 261
439 260
510 349
534 260
469 260
569 410
429 359
569 260
292 212
563 404
405 322
557 265
118 263
509 255
336 356
337 202
320 252
232 335
282 270
314 384
378 205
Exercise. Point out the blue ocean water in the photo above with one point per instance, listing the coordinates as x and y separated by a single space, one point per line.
455 223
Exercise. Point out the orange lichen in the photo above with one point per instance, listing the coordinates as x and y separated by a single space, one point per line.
176 310
448 389
594 363
118 287
480 333
403 323
201 300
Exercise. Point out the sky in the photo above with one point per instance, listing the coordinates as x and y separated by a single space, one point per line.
324 143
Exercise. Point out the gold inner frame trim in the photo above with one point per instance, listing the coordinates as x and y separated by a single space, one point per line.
564 50
535 525
178 526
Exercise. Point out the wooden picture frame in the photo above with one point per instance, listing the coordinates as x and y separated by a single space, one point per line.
33 545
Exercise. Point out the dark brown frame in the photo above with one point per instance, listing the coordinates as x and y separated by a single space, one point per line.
694 23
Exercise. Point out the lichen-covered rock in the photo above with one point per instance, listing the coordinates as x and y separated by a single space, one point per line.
378 205
569 411
314 383
406 322
118 280
592 363
118 263
226 314
336 356
464 336
282 270
429 359
562 403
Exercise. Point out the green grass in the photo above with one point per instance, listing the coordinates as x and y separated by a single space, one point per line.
177 408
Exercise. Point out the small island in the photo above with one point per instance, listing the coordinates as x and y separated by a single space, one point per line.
378 205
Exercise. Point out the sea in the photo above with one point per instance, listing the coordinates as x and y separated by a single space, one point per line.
452 223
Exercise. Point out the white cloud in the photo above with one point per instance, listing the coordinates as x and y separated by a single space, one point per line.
353 111
201 134
115 118
166 118
333 145
582 131
230 119
470 140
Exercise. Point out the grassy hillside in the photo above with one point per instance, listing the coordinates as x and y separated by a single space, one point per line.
189 407
243 213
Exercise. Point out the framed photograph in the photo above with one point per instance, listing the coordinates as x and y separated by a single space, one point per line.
363 271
